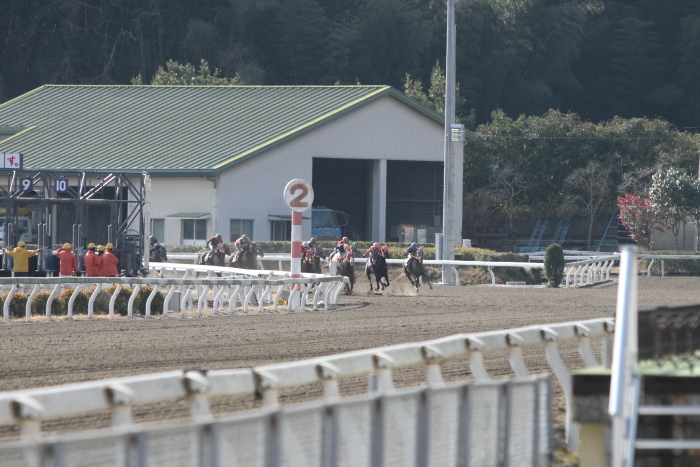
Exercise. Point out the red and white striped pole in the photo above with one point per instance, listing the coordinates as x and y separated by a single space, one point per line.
299 195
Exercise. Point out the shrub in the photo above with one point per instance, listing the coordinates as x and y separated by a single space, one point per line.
156 304
554 265
39 305
18 305
121 304
80 305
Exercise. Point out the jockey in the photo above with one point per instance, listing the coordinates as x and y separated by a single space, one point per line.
214 244
373 251
157 251
315 248
339 249
411 253
243 243
305 250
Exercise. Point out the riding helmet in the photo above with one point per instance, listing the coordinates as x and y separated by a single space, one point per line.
414 245
66 246
153 239
305 244
346 239
109 246
376 245
100 248
91 246
312 241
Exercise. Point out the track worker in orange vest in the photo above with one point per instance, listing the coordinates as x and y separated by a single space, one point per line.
108 268
92 261
69 265
21 259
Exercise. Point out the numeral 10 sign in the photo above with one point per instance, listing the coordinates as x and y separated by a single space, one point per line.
298 195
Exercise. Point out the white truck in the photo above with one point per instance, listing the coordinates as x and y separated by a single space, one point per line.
23 229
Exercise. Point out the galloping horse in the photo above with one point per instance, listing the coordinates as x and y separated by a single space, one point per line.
377 265
246 259
312 261
346 268
217 258
417 272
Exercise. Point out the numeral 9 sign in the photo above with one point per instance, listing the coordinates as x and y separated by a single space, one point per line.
298 195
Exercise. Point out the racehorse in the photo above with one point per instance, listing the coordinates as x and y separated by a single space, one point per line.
377 266
417 272
346 268
217 258
246 259
312 261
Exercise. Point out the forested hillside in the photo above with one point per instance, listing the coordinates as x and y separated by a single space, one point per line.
597 58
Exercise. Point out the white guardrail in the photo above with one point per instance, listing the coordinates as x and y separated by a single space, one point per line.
386 427
237 286
588 268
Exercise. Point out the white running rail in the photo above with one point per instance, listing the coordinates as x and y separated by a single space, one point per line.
28 408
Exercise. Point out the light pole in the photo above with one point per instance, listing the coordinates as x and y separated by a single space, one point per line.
452 193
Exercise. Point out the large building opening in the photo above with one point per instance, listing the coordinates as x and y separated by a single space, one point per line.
344 185
413 201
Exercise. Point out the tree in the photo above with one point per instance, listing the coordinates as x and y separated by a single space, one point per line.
589 187
672 196
644 223
554 265
176 74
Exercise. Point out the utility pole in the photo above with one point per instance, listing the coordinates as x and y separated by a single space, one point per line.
448 197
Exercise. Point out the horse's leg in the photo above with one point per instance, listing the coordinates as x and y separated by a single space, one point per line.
408 274
368 273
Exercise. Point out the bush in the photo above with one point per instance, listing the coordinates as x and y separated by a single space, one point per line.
80 305
156 304
554 265
39 305
18 305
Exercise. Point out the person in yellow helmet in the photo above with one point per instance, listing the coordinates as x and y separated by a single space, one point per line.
108 268
67 260
21 259
92 261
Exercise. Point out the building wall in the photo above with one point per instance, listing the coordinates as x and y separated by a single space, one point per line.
384 129
173 195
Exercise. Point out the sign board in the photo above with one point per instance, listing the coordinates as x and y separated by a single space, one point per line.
299 195
26 184
61 185
10 161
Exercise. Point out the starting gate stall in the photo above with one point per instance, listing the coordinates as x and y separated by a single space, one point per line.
49 207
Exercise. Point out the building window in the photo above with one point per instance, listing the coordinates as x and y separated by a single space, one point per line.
240 227
281 230
158 229
194 231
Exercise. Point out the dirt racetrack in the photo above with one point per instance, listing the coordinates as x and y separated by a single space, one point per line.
50 353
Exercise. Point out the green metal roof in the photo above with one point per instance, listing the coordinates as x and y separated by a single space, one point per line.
175 130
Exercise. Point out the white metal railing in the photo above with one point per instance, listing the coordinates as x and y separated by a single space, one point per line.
624 380
586 270
28 408
235 285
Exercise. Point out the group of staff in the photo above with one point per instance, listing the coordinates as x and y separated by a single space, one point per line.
99 261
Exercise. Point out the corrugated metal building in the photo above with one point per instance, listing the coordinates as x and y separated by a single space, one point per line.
220 157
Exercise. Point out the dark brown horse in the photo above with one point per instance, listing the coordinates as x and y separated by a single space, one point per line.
377 265
415 271
346 268
246 259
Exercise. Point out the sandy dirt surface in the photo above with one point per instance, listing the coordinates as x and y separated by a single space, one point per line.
50 353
